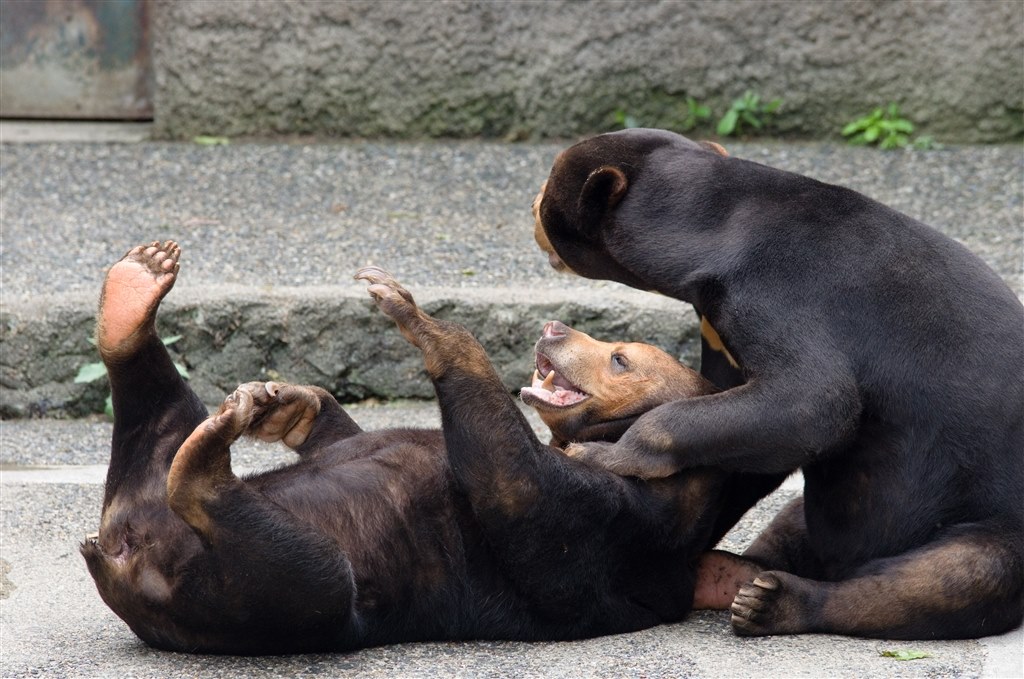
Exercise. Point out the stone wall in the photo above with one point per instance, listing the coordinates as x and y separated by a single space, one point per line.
561 68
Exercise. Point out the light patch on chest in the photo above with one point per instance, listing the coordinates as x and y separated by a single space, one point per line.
711 336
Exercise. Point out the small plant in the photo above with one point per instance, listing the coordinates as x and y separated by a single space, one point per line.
904 654
681 116
90 372
696 113
885 127
625 120
925 142
748 111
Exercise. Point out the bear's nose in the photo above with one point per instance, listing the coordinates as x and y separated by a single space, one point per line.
555 329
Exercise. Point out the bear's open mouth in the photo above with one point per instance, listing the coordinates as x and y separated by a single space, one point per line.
550 388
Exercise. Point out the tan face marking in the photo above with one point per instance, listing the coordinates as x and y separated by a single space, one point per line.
541 236
581 380
716 147
715 341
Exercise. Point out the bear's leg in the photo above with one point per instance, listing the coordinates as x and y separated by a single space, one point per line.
557 528
154 409
968 583
720 575
494 453
281 584
304 418
783 544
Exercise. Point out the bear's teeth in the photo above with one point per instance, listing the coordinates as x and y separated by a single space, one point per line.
549 381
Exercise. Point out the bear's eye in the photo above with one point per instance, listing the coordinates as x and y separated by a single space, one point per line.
619 362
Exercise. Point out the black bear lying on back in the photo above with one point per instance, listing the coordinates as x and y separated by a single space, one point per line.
862 346
380 537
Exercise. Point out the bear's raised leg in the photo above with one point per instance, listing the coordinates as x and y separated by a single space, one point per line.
968 583
559 529
154 409
490 444
275 581
201 471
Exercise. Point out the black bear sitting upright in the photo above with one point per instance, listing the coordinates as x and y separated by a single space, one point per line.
864 347
479 531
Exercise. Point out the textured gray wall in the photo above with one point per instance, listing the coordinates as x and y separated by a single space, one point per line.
558 69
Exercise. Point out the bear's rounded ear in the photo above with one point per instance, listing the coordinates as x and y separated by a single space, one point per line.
717 148
602 191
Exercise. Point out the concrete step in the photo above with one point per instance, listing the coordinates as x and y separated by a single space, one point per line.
333 337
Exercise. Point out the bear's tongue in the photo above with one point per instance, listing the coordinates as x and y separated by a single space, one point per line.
555 389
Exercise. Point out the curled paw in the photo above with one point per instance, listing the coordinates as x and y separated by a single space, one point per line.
392 299
384 289
594 452
623 460
235 414
755 608
281 412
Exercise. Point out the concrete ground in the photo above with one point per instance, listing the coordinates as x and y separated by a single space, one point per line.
53 623
279 224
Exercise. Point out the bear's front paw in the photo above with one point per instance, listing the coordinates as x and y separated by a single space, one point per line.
622 460
395 301
593 452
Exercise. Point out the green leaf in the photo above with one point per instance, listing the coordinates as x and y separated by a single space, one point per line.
170 340
903 125
751 119
182 370
855 126
871 134
904 654
727 124
772 106
108 406
90 372
893 141
205 140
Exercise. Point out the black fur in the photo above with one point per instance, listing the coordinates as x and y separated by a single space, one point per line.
881 357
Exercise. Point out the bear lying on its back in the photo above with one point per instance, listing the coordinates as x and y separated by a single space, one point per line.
381 537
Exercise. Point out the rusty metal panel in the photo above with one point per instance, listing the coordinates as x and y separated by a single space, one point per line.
85 59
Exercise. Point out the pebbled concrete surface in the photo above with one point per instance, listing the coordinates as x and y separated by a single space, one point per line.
453 214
